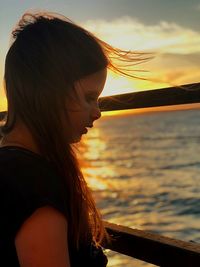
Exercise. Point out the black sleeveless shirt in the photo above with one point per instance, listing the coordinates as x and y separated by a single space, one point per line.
28 181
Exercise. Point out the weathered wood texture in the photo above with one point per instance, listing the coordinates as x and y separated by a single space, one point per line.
185 94
153 248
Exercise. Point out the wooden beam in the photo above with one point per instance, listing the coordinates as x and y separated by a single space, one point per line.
153 248
184 94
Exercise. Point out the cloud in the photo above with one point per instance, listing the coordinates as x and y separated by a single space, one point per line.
177 68
178 51
130 33
198 7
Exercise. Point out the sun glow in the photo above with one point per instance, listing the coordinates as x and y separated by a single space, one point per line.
118 84
176 51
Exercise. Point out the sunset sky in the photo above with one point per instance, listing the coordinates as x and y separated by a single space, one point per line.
169 28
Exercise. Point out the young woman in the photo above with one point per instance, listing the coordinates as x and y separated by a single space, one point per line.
54 73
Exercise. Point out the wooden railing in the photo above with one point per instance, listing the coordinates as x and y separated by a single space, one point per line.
184 94
153 248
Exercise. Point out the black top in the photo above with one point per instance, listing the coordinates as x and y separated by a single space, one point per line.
28 181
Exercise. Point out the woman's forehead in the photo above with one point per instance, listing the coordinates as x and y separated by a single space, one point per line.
94 82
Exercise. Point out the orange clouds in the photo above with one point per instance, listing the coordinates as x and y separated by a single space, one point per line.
130 33
178 51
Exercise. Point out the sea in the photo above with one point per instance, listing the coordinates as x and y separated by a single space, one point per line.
144 172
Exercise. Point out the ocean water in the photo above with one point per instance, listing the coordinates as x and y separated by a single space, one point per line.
145 173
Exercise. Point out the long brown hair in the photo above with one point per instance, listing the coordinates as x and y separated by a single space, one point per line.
49 53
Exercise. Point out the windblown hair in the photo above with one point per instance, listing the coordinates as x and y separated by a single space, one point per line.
49 53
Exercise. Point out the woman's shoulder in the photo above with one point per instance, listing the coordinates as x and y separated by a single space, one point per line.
16 154
15 159
27 183
26 170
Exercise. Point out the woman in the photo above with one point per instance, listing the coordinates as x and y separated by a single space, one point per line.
54 73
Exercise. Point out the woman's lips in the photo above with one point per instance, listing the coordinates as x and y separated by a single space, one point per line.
85 130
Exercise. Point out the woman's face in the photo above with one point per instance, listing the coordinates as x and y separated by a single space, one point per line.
84 109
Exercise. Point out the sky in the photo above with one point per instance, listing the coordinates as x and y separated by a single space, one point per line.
170 29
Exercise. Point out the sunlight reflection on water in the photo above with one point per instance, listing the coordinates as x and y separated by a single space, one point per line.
144 173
